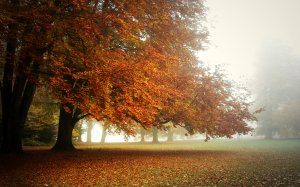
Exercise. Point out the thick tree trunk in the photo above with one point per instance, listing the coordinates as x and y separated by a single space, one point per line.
155 135
7 86
104 134
17 109
65 128
17 92
14 120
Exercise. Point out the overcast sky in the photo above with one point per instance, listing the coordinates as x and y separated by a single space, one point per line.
241 29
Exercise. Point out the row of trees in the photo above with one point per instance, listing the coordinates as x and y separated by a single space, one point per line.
168 132
41 126
126 62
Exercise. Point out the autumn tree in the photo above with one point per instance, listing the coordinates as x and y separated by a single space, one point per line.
224 107
23 37
126 62
132 69
126 68
213 106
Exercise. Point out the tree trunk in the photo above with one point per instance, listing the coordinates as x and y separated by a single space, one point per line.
17 92
90 126
170 135
65 128
7 86
155 135
80 131
104 134
142 134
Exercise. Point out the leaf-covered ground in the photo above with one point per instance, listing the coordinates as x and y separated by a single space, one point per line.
216 163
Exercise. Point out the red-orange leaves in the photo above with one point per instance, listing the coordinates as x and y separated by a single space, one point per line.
125 61
214 108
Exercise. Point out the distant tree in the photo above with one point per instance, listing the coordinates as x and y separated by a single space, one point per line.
90 124
155 135
79 128
142 132
277 90
104 133
170 134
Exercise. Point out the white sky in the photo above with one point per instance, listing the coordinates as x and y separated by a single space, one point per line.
239 29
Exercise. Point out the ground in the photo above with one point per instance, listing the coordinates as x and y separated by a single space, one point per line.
193 163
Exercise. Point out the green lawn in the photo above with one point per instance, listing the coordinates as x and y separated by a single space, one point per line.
192 163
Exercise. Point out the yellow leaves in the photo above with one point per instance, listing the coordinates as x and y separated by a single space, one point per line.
75 133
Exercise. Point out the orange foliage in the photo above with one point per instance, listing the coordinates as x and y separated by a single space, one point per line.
126 61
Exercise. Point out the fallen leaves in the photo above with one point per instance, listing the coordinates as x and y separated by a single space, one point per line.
120 167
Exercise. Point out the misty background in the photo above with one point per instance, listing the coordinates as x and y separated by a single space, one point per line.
258 43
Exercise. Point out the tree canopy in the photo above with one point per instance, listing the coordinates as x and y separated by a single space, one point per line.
119 61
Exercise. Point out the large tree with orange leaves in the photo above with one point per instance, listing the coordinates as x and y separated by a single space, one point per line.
216 107
136 56
120 61
115 60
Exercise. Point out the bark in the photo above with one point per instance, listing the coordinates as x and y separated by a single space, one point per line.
17 105
155 135
17 89
17 92
6 88
65 128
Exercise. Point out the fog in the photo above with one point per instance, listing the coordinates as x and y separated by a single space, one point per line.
241 29
258 43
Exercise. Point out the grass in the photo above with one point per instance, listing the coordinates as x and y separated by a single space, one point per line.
192 163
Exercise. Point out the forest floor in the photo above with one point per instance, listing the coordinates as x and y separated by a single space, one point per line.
192 163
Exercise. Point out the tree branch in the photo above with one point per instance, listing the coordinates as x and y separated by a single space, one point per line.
82 116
